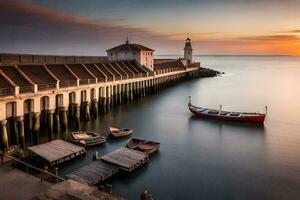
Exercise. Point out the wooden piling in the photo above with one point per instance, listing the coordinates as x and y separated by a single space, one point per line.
64 118
50 124
56 120
36 127
95 108
4 137
77 116
20 125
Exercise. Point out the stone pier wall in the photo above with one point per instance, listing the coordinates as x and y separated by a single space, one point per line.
22 116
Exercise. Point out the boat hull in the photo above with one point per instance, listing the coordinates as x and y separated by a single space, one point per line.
120 133
87 142
260 118
147 147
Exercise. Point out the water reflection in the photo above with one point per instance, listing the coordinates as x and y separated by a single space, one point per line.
257 128
209 159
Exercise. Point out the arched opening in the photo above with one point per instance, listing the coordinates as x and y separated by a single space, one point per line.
28 108
11 113
83 96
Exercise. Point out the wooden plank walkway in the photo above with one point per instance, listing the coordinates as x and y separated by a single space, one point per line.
57 151
126 159
94 172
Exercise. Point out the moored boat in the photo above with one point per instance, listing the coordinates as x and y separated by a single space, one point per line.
87 138
142 145
133 143
120 132
255 117
149 147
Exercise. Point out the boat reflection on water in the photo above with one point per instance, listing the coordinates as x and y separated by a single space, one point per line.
242 127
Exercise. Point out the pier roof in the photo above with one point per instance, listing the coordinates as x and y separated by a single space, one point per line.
57 151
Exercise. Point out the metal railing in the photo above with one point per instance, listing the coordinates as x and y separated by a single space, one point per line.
29 166
87 81
46 86
6 92
65 84
26 89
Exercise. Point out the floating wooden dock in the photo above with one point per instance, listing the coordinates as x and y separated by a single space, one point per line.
126 159
57 151
94 172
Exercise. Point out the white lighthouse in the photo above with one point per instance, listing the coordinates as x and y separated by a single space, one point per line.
188 51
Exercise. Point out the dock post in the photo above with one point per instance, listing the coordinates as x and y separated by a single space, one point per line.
124 93
139 85
108 188
127 92
108 98
64 118
146 195
145 87
108 102
36 127
115 95
71 112
56 173
50 124
140 89
120 93
77 116
56 123
86 110
136 91
20 125
130 93
102 105
95 108
4 137
133 91
112 97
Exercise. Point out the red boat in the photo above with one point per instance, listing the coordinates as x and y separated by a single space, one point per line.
226 115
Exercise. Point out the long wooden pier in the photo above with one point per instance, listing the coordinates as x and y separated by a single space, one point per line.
57 151
126 159
94 172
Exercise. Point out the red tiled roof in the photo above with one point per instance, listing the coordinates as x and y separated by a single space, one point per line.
130 47
168 64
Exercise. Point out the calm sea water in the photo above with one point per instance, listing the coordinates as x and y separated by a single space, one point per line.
202 159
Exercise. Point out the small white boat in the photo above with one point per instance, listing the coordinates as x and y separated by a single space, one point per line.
87 138
120 132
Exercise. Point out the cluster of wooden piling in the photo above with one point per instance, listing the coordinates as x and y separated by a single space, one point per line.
26 129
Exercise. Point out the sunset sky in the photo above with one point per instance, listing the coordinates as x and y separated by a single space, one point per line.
81 27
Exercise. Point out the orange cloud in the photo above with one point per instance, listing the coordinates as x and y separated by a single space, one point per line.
254 45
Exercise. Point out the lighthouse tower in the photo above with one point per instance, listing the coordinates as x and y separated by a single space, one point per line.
188 51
